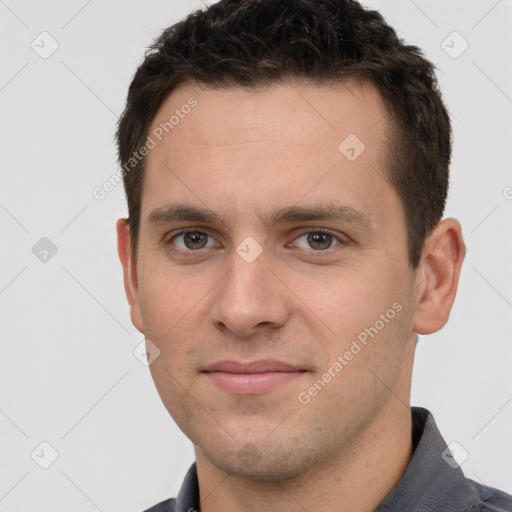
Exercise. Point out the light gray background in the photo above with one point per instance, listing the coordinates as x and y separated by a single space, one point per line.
68 373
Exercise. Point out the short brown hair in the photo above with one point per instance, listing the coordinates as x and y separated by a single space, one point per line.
251 43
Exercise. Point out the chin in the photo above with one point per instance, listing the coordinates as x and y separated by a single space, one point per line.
264 461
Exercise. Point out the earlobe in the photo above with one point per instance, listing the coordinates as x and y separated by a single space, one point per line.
438 276
131 286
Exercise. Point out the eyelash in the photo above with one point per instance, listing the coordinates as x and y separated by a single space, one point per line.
318 252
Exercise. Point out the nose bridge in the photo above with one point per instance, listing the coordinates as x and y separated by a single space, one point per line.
249 295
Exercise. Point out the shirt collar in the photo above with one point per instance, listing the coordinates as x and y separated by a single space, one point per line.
433 480
187 499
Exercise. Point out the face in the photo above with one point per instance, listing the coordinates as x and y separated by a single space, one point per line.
273 273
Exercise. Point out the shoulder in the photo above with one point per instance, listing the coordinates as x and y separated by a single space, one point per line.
490 499
163 506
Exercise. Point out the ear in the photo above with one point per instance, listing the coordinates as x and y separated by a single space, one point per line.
438 276
131 286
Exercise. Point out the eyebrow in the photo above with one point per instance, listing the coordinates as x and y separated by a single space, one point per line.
330 212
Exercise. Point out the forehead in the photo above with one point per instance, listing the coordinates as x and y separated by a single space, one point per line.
303 113
242 148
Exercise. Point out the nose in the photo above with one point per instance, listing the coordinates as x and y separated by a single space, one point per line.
249 298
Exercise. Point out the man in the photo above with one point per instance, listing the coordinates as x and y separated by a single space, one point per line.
286 169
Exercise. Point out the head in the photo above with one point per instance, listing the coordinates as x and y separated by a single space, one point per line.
305 148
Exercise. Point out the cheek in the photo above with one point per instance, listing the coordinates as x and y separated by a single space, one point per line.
348 302
167 300
175 320
368 321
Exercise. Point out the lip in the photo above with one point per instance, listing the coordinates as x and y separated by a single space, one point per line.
251 378
260 366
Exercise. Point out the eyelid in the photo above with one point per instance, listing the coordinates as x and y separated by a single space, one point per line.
314 229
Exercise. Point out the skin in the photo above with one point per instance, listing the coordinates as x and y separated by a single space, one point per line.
245 154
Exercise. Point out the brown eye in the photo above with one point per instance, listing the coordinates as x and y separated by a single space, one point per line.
317 240
195 240
190 240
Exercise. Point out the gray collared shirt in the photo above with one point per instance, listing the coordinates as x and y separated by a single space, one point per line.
432 482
